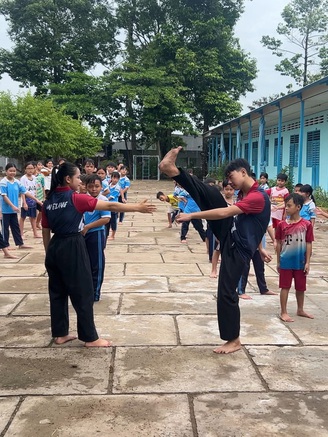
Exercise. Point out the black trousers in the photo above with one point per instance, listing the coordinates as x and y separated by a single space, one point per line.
258 264
231 268
197 224
68 266
95 243
11 221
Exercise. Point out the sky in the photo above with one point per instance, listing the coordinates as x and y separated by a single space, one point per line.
261 17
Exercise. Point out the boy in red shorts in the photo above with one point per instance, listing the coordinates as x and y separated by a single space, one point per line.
294 247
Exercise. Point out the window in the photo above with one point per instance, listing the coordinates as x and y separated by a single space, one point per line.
275 152
293 150
313 148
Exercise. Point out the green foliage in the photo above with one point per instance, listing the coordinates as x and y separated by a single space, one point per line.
289 171
52 38
321 197
31 127
305 30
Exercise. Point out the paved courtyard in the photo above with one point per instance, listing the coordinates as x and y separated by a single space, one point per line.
161 378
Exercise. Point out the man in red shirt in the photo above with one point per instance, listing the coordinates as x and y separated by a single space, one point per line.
239 228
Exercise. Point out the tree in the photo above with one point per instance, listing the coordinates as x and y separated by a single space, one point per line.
52 38
32 127
305 28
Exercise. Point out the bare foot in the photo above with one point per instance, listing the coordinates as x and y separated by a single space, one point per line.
286 318
228 347
184 241
167 165
37 236
111 238
169 226
302 313
98 343
213 275
39 227
23 246
10 256
245 296
62 340
269 293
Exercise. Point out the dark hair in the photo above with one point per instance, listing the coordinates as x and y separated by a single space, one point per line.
61 159
299 185
29 163
58 176
88 161
264 174
83 178
92 178
116 174
102 168
123 167
111 164
9 165
237 165
225 183
159 194
48 160
282 176
210 181
306 188
296 198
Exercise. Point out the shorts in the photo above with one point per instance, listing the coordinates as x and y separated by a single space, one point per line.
275 222
171 209
286 276
39 207
31 212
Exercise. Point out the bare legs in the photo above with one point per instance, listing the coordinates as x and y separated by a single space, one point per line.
284 316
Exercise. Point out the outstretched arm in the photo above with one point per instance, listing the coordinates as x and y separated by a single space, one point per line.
143 207
211 214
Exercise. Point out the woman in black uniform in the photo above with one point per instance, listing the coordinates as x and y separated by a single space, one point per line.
67 261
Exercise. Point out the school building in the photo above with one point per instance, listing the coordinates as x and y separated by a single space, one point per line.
291 131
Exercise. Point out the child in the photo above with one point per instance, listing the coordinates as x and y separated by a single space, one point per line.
28 208
67 260
297 187
101 172
89 166
11 188
228 194
110 168
94 233
82 189
125 185
46 171
277 196
114 193
264 177
294 247
172 209
39 193
191 207
308 209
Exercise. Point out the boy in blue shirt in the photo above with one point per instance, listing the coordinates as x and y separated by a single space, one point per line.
125 185
114 193
94 233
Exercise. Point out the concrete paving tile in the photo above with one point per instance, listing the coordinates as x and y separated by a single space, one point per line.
203 329
33 304
199 247
140 330
24 285
161 270
7 408
135 248
152 284
292 368
261 414
205 267
146 257
182 369
179 258
135 240
53 371
197 284
24 270
8 302
170 303
124 416
113 269
316 285
24 331
311 331
320 300
35 257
